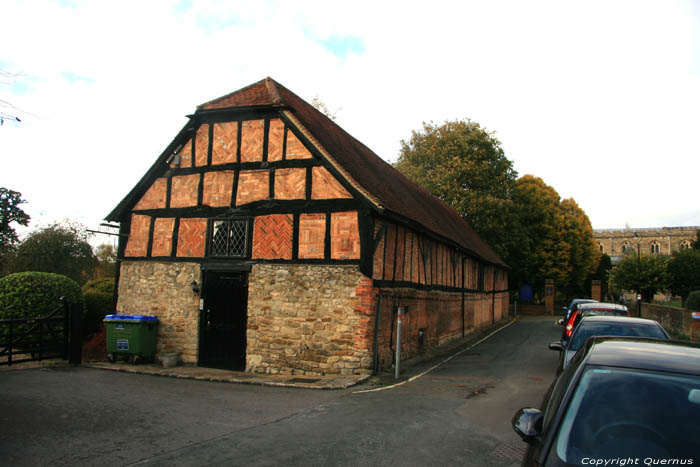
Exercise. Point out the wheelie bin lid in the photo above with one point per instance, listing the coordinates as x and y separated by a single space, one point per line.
131 318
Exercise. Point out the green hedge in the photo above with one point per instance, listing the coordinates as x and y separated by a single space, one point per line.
99 296
33 294
693 302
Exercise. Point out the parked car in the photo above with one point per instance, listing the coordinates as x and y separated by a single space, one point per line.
619 398
590 309
574 304
590 326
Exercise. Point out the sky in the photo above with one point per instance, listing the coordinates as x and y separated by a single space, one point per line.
601 99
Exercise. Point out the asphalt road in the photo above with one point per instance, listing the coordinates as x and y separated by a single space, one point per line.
457 414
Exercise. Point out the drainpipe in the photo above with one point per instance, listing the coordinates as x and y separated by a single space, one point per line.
399 320
375 363
462 296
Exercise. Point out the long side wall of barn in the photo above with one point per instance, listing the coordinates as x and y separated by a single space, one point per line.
445 294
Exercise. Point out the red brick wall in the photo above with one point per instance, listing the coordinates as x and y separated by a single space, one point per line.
312 234
184 190
295 149
272 237
325 186
275 139
253 185
438 314
191 237
201 145
290 183
252 138
217 188
673 319
185 155
155 196
224 143
345 235
137 244
163 236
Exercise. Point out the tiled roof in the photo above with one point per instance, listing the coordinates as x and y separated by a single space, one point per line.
388 186
383 186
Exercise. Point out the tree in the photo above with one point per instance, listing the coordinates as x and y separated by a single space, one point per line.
646 274
60 248
323 108
465 166
544 252
584 256
684 272
695 245
106 257
10 212
5 107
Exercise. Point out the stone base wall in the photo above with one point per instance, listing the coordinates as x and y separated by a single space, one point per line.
432 318
306 319
163 290
309 320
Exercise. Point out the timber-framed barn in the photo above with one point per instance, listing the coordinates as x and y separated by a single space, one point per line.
268 239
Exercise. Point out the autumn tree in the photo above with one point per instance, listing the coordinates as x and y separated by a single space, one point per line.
544 252
464 165
10 212
60 248
584 256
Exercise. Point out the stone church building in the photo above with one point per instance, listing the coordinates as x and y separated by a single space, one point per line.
648 241
267 239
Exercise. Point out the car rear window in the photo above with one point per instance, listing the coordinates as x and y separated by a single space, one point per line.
603 312
586 330
620 413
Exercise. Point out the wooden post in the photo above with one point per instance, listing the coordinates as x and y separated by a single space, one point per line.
595 290
549 295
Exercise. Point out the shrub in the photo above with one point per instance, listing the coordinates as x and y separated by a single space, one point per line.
98 303
693 302
32 294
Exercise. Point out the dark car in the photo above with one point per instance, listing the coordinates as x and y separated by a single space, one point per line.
574 304
620 398
590 309
590 326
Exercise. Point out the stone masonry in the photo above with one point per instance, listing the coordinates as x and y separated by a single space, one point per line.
163 290
309 320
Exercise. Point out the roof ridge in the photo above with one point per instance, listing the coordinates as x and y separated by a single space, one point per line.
220 98
271 85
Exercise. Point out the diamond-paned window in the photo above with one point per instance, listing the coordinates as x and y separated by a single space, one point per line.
229 238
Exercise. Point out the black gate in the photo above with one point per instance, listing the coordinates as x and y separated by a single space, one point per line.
223 320
56 335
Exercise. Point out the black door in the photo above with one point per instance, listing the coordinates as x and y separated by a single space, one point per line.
223 320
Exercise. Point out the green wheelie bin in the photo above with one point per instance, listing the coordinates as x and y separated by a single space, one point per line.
131 337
